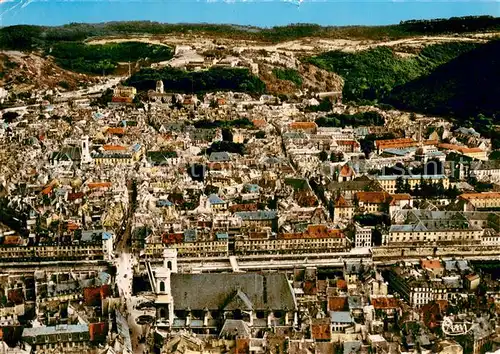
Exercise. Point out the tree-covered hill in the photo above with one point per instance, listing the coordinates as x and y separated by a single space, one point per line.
99 58
27 37
176 80
371 75
463 88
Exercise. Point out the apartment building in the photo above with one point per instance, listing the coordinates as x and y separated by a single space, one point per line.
317 238
388 183
432 227
373 202
343 209
413 288
481 201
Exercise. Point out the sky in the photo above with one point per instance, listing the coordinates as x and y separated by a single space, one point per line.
264 13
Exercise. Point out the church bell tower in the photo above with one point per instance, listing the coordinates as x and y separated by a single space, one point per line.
164 298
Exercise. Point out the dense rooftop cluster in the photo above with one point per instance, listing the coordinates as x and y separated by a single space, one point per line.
160 221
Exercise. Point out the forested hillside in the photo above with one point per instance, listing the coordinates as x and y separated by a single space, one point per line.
463 88
372 74
28 37
176 80
104 58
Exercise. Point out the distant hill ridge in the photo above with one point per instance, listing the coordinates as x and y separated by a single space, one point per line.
27 37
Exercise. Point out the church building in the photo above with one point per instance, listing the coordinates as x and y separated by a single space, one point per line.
203 303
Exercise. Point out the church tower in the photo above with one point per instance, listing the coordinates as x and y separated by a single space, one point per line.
85 157
164 299
159 87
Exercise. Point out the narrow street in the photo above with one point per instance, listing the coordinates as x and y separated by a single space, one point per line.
125 263
124 277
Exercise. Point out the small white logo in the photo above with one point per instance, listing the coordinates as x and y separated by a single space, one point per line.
456 328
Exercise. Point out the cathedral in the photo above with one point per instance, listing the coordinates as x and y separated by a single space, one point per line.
207 303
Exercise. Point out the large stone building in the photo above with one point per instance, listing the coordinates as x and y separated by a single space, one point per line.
316 238
416 291
389 183
59 339
432 228
203 303
481 201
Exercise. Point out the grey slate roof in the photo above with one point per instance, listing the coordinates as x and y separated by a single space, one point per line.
219 157
355 185
257 215
163 203
239 301
68 153
352 347
215 199
459 265
341 317
43 331
355 302
467 131
217 291
237 328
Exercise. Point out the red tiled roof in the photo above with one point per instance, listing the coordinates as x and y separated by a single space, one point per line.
47 190
116 131
313 231
12 240
172 238
471 277
373 197
310 287
341 284
462 149
337 303
395 143
94 185
399 197
242 345
346 171
384 302
347 142
75 196
443 304
92 296
243 207
341 202
320 329
16 296
121 99
114 148
317 231
71 226
303 125
98 330
469 150
485 195
431 264
106 291
259 123
257 235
